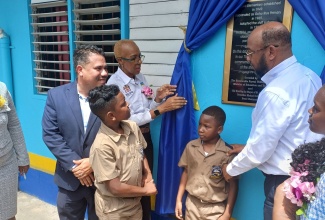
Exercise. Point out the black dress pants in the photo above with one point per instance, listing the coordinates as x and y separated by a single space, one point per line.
271 182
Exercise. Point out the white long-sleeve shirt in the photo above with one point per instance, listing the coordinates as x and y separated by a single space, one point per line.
279 119
140 105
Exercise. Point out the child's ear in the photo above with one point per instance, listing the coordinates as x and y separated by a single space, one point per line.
110 116
220 129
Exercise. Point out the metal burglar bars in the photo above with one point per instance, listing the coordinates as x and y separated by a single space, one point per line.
51 44
98 22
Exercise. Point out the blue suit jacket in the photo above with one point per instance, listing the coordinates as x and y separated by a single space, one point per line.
63 132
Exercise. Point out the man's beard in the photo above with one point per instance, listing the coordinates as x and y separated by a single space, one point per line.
261 68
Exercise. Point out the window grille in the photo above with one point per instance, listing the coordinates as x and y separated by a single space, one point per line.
51 45
98 22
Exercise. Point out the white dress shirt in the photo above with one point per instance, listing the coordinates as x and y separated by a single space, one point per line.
140 105
85 110
279 119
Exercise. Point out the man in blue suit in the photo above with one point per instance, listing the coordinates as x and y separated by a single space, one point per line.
69 129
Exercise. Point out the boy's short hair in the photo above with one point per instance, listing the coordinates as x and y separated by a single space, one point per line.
103 99
216 112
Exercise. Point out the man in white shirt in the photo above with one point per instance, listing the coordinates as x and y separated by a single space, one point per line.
144 105
280 117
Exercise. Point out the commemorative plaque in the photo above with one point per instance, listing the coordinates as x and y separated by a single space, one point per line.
240 84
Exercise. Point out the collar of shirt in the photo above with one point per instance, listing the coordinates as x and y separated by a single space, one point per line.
116 136
82 98
85 110
125 78
220 145
273 73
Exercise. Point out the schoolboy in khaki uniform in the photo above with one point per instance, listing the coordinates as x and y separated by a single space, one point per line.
209 195
122 174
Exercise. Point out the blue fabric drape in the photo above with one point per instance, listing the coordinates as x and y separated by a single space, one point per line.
312 12
179 127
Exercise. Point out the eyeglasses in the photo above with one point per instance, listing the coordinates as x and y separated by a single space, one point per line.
134 59
250 52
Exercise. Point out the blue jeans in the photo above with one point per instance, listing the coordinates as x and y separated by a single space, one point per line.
271 182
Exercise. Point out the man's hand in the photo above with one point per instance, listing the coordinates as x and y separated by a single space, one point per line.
237 148
82 169
224 172
88 180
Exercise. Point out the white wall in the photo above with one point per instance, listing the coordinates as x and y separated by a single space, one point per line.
154 26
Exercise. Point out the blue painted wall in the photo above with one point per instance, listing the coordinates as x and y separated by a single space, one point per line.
207 66
14 19
207 71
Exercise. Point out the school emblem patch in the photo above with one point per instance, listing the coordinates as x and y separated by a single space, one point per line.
216 172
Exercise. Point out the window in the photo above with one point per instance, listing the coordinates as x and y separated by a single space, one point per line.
95 22
98 22
51 45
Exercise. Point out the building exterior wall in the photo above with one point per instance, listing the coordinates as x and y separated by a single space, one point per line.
154 26
207 69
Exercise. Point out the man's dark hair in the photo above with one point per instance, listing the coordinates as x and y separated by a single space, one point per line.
309 157
216 112
82 53
103 99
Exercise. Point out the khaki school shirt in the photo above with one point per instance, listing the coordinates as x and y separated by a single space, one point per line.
205 180
115 155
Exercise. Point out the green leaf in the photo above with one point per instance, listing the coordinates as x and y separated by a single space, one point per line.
300 212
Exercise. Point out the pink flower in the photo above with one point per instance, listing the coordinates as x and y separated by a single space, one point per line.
147 91
298 192
294 194
308 189
297 174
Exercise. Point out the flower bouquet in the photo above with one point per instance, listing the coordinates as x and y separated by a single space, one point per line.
306 168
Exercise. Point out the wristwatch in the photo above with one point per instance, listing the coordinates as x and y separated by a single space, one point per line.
156 112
